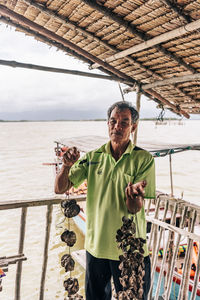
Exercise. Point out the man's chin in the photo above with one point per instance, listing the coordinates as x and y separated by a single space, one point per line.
116 139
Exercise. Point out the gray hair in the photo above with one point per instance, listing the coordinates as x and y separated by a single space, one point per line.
122 105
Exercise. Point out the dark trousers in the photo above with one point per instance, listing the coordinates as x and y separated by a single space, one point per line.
98 275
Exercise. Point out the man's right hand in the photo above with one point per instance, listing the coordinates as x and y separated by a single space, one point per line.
70 156
62 182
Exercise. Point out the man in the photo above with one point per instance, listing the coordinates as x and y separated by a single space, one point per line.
115 175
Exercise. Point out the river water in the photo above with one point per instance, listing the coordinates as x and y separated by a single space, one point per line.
25 146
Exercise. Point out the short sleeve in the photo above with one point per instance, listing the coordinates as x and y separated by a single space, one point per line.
78 172
147 172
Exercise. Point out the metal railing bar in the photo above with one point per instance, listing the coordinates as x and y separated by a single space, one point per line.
183 291
178 230
166 249
37 202
183 217
157 248
196 279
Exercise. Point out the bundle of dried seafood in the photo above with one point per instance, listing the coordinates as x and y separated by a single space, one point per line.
69 237
131 262
75 297
71 285
71 208
67 262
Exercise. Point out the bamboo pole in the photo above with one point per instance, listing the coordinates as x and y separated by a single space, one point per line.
20 251
171 175
154 41
169 81
183 291
46 245
15 64
138 99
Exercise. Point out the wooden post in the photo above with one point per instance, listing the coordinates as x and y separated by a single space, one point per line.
171 175
138 109
20 251
46 245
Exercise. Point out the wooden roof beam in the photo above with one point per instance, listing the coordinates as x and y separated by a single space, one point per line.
175 108
51 35
172 81
154 41
132 29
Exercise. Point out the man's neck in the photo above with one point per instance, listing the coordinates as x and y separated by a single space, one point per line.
118 149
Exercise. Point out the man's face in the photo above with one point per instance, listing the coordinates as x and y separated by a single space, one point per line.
120 125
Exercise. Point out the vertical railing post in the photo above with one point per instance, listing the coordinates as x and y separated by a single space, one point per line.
138 109
183 291
20 251
171 271
171 175
46 246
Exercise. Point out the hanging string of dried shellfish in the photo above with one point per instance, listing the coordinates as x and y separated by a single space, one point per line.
132 260
71 285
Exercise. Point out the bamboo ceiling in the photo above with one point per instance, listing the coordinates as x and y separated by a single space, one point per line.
153 45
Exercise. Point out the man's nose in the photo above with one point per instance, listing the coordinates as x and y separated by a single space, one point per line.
118 126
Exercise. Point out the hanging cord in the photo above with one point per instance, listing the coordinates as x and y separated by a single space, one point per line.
69 230
121 91
137 225
161 114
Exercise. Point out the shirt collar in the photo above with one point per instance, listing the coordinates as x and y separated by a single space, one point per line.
106 148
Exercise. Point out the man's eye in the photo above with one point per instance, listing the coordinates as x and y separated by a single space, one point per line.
124 124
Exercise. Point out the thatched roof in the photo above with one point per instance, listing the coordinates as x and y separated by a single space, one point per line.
153 45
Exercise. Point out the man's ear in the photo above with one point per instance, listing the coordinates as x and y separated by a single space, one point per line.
134 126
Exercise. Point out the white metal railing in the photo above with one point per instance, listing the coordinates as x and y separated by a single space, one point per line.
167 213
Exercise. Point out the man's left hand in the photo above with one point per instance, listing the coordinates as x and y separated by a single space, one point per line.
135 196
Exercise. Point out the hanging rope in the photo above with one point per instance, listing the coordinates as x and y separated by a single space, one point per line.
121 91
161 114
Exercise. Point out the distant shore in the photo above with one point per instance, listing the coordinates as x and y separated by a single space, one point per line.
88 120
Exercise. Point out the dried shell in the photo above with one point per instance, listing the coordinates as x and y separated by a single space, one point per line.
69 237
67 262
71 285
71 208
75 297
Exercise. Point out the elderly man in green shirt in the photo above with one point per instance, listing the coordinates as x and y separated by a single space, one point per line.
115 175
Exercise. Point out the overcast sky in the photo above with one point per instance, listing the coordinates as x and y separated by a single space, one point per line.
37 95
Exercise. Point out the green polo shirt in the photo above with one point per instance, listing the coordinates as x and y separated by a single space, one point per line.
105 205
